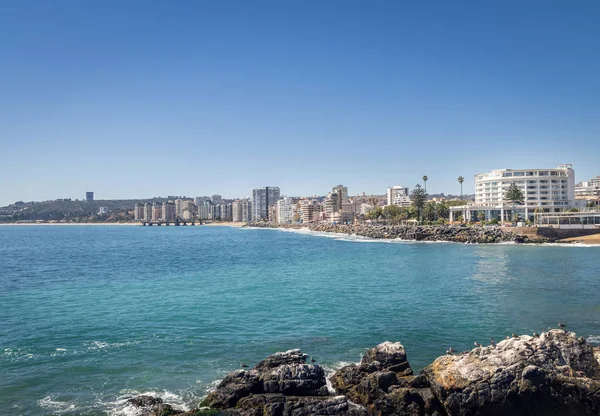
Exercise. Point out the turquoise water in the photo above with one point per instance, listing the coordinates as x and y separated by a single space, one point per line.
90 315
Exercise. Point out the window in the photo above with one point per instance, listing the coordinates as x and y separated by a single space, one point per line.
531 173
544 173
554 173
507 174
519 174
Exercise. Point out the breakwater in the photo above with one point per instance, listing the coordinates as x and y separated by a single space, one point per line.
451 233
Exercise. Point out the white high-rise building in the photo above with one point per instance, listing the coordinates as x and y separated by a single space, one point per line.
262 199
544 190
203 210
148 212
285 211
246 210
138 212
398 195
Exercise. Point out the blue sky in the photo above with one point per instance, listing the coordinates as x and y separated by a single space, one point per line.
134 99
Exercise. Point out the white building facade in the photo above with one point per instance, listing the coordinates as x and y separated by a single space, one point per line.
544 190
398 195
285 211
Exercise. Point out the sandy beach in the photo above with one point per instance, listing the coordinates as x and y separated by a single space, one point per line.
588 239
225 224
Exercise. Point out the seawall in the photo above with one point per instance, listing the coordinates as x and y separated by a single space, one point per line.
451 233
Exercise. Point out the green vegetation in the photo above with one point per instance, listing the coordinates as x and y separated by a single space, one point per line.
418 197
514 195
68 210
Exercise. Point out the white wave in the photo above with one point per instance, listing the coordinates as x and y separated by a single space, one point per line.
61 349
330 369
57 407
102 345
18 354
594 339
121 407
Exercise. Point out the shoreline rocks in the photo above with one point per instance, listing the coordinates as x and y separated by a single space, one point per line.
554 373
450 233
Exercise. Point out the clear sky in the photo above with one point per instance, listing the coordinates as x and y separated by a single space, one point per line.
134 99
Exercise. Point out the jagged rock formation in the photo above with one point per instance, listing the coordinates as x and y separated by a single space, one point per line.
452 233
554 373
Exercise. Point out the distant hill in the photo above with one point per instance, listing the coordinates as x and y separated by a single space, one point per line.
73 210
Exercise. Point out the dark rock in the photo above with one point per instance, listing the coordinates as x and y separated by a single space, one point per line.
296 380
235 386
281 405
144 401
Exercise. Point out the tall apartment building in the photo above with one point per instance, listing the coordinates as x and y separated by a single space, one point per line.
217 199
148 212
89 196
247 210
169 211
214 212
332 203
342 193
226 212
544 190
262 199
156 211
285 211
138 212
187 209
309 211
178 207
236 211
398 195
203 210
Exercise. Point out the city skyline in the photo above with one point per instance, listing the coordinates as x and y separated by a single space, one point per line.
104 95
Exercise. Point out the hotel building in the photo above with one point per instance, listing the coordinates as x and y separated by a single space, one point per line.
544 190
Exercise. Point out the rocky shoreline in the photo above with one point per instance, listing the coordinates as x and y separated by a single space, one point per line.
449 233
553 373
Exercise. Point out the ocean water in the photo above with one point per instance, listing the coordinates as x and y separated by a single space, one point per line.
92 315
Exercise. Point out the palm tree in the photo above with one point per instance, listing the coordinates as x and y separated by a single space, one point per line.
461 180
429 211
514 195
425 181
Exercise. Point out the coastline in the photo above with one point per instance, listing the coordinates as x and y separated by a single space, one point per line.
12 224
443 233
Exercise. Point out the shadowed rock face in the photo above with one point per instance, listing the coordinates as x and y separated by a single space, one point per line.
554 373
282 384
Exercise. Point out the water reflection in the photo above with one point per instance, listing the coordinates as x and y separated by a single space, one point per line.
491 266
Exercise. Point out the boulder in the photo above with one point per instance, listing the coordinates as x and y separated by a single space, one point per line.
380 369
551 374
281 405
285 373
